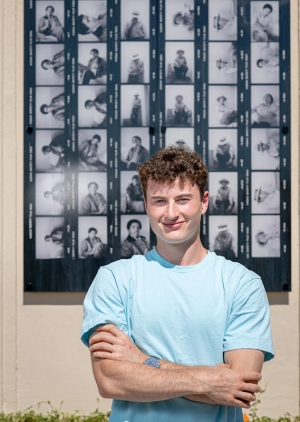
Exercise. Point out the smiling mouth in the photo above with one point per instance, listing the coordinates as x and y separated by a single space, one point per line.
173 225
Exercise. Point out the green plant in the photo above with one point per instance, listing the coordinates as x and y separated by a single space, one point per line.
53 415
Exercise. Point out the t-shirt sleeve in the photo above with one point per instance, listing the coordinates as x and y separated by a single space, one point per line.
103 305
249 320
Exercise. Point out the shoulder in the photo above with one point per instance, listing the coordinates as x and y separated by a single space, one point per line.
233 273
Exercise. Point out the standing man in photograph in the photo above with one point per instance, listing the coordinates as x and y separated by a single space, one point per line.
224 154
135 29
136 70
180 333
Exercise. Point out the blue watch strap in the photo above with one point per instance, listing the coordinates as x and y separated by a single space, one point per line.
152 362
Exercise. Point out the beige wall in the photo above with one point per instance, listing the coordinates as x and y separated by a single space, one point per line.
41 355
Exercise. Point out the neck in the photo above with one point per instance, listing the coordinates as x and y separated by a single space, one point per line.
190 253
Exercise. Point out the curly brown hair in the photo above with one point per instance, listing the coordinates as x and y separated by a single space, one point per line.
172 163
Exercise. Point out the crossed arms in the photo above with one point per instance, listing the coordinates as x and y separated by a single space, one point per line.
120 374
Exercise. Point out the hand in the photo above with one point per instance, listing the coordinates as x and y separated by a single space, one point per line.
108 342
229 387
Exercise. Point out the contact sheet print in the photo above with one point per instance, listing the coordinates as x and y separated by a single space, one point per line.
108 83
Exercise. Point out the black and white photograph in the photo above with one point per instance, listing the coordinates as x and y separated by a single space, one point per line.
50 238
222 106
135 20
222 150
92 193
92 237
180 20
179 65
50 21
179 105
180 137
132 197
92 150
265 149
92 106
92 21
265 106
50 194
265 236
223 236
135 62
265 63
222 20
50 107
134 147
265 192
50 64
134 105
222 61
92 64
50 151
264 21
223 189
135 233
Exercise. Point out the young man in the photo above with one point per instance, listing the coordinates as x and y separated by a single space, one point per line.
178 334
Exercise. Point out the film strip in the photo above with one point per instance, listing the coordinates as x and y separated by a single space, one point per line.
108 84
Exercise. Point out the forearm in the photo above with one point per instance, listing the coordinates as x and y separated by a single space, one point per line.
141 383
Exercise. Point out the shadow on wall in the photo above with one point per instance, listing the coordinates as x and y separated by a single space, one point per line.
76 298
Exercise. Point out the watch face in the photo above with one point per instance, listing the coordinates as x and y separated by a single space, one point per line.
152 362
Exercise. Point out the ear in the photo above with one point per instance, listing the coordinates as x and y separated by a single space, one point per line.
205 201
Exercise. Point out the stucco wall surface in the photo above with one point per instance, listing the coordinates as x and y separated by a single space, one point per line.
41 357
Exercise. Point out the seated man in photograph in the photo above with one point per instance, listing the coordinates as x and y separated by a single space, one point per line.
56 107
266 114
99 106
88 155
55 150
56 242
135 29
134 244
186 19
49 28
95 26
136 70
229 60
223 245
223 202
137 154
57 64
92 246
227 116
264 27
134 196
58 196
178 334
224 154
226 21
268 196
271 148
181 114
95 70
180 66
269 58
94 202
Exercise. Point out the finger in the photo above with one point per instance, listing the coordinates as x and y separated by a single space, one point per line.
252 376
242 404
251 388
111 328
102 355
102 346
107 337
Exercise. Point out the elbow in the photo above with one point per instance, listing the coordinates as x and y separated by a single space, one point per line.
105 389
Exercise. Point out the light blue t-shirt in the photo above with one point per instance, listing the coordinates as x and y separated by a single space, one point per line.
189 315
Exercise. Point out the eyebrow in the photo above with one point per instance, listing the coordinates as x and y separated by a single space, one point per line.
189 195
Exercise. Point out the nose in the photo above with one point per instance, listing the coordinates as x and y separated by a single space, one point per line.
171 211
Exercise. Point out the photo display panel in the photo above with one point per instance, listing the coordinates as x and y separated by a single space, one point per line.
109 83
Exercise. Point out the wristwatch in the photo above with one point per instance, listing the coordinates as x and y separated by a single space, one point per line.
152 362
